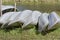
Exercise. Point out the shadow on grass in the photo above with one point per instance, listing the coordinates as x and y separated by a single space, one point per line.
11 27
48 31
44 32
28 27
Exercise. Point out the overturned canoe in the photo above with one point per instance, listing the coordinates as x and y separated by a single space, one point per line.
43 22
8 8
14 17
35 16
53 20
5 18
33 19
22 18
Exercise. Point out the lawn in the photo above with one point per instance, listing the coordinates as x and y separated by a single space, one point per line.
29 33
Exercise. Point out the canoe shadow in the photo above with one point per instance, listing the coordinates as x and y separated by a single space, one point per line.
10 27
44 32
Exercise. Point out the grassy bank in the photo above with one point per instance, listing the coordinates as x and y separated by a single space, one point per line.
29 34
43 6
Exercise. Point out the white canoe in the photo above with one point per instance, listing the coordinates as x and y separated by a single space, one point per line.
53 20
14 17
23 17
7 8
33 19
5 17
43 22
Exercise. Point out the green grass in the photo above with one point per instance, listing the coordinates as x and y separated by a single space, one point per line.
14 34
29 33
11 2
